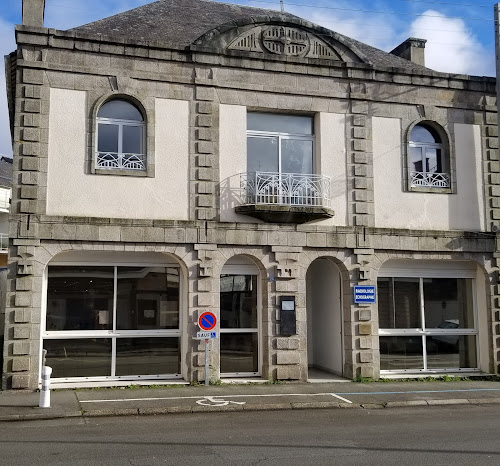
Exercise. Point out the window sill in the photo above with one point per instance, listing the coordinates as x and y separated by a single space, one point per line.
118 172
430 189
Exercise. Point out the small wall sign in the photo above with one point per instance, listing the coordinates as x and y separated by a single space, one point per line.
365 295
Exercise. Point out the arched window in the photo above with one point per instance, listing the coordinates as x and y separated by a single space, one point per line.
120 136
428 159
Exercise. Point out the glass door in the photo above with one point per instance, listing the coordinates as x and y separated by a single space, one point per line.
239 339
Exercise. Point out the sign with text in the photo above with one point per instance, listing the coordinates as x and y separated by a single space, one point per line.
365 294
206 335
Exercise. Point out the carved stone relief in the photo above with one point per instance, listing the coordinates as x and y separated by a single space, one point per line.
285 41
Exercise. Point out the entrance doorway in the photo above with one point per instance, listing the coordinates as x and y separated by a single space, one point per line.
240 353
325 354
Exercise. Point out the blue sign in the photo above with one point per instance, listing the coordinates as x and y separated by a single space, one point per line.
365 294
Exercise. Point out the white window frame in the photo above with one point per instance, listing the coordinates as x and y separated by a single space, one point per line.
120 154
281 137
423 146
246 270
423 332
113 334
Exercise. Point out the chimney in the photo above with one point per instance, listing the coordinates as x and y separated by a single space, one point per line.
412 49
33 12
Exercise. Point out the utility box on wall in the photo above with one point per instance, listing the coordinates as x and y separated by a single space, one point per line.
288 325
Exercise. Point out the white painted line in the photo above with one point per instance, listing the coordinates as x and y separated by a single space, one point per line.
122 400
340 398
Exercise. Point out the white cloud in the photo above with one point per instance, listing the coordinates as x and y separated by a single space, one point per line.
451 46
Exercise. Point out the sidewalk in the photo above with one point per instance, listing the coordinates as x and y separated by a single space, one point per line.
17 406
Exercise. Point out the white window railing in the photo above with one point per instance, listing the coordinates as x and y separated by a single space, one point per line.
430 180
286 189
115 160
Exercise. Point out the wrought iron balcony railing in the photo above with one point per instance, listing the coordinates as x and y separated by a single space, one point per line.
114 160
293 189
430 180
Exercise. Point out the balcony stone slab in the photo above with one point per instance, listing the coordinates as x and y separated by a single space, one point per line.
276 213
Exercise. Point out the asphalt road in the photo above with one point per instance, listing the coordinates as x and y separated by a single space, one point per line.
456 435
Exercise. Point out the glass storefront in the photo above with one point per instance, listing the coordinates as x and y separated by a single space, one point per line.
112 321
427 324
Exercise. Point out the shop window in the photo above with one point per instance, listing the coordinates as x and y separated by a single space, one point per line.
427 324
120 137
115 321
428 156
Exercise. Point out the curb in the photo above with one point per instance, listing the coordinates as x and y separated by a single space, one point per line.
240 408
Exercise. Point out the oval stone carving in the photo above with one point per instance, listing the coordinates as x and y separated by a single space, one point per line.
285 41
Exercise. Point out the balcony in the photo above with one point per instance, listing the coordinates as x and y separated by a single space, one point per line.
285 197
429 180
117 161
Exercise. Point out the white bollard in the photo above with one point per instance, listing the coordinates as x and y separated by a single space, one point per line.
45 392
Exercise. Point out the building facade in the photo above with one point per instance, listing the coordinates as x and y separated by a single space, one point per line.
192 156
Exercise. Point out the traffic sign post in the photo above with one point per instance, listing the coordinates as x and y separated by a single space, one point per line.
207 322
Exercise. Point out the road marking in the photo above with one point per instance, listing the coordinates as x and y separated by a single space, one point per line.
271 395
122 400
217 401
340 398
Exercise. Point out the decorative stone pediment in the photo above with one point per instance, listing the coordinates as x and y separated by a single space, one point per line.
285 41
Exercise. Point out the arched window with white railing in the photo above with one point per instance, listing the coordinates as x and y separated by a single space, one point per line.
121 137
428 158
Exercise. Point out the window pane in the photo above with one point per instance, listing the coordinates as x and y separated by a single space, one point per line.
451 352
432 164
147 298
79 298
296 156
401 353
107 138
120 110
132 139
262 154
424 134
399 300
238 352
276 123
238 301
147 356
448 303
88 357
416 159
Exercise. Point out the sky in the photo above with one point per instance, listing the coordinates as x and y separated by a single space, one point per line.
460 33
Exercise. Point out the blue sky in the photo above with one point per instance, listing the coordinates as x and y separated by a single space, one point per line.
459 33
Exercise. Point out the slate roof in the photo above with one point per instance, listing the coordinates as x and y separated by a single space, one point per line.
180 22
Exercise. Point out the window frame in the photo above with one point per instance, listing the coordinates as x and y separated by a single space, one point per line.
446 158
281 136
113 333
147 137
423 332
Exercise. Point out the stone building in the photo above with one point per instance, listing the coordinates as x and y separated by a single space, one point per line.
192 156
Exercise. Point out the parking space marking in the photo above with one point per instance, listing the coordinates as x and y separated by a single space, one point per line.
424 391
202 397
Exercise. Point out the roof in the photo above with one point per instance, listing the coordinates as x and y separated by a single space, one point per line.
179 23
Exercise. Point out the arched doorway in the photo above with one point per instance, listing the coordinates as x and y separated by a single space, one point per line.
325 356
240 316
